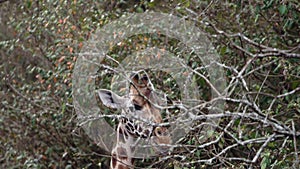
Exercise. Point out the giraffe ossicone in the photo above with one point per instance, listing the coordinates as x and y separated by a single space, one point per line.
139 123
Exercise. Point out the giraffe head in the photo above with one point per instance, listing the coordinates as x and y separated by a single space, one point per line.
141 111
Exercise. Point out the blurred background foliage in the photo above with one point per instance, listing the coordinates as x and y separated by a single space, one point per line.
40 41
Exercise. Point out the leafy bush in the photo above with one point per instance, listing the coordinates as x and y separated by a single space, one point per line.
259 47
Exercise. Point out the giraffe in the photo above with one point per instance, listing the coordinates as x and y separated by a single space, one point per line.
139 111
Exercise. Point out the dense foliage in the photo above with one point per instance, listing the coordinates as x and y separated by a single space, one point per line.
259 45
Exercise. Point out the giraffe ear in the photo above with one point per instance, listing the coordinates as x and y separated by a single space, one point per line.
111 99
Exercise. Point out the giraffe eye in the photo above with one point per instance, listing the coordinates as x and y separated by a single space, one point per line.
137 107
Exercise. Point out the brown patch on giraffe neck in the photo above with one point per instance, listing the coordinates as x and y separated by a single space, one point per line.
120 160
119 164
113 162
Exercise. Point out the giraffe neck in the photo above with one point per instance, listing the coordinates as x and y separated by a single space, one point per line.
140 107
123 151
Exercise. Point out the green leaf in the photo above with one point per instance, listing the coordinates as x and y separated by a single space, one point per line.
223 50
29 3
283 9
265 161
198 153
139 10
